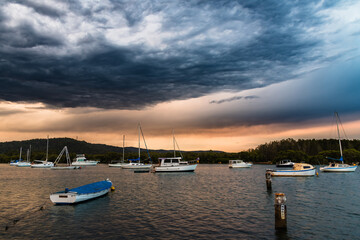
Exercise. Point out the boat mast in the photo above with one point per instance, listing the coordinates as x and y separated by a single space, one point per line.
337 124
174 142
139 141
123 148
47 149
20 153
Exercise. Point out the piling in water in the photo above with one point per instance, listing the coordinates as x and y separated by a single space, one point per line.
268 179
280 211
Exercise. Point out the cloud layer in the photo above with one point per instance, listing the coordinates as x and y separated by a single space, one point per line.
134 54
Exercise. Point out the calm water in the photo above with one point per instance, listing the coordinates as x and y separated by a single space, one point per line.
215 202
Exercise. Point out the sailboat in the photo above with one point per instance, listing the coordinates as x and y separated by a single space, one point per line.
26 163
16 162
136 163
335 166
68 165
43 164
175 164
119 164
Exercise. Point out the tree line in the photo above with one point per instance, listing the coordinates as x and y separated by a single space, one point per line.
313 151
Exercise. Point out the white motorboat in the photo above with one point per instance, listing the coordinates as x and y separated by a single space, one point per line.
46 163
83 193
68 165
298 170
239 164
175 164
136 163
338 167
285 163
82 161
119 164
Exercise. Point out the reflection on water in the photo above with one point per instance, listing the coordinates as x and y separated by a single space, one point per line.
215 202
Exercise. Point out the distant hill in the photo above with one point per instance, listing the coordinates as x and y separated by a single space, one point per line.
102 152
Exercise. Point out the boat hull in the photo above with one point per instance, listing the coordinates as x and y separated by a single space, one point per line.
65 168
338 169
84 163
119 165
293 173
43 165
22 164
244 165
145 166
71 198
81 194
186 168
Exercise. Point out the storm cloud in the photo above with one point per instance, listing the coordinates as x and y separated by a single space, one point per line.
135 54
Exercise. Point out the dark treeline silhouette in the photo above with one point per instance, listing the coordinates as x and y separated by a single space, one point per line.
310 151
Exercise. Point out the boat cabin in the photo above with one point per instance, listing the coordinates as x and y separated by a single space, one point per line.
235 161
175 161
302 166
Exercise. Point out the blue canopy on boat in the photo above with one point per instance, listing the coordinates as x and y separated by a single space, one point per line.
134 160
340 159
92 187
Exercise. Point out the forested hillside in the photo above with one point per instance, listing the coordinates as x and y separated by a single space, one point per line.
312 151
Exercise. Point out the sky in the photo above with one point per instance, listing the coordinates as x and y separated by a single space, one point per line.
223 75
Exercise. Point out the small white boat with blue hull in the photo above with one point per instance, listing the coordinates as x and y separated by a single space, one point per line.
83 193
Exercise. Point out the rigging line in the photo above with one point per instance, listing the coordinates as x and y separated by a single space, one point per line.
342 127
147 150
178 148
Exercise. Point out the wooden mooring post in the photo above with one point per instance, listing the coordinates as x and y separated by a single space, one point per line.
268 179
280 211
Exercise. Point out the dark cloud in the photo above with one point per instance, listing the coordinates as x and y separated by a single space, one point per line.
232 99
213 46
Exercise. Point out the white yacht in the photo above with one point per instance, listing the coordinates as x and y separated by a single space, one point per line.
136 163
41 163
175 164
26 163
119 164
239 164
82 161
335 166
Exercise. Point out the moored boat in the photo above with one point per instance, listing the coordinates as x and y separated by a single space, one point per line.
239 164
334 166
82 193
17 161
175 164
82 161
298 170
46 163
119 164
26 163
136 163
68 165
